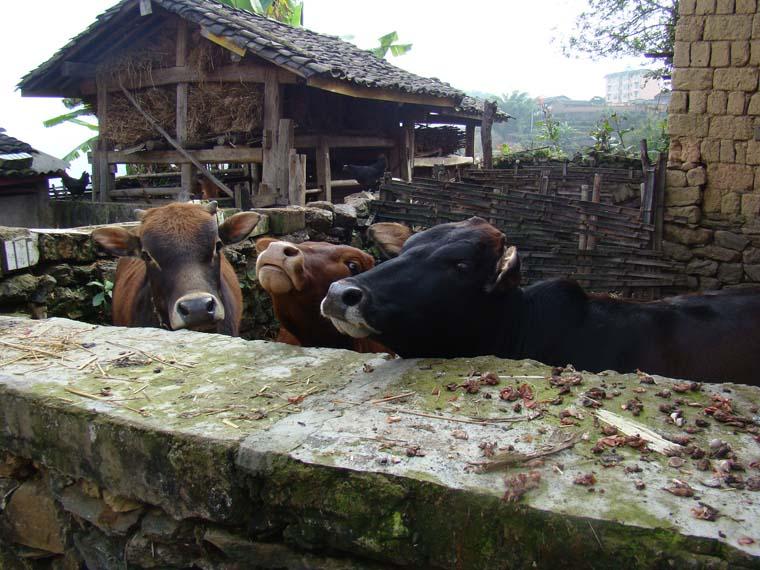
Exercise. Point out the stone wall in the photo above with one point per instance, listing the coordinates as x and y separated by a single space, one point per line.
713 185
51 272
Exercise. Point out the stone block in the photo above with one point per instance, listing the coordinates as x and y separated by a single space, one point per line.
751 256
737 177
696 176
717 253
688 214
725 27
33 518
284 221
690 151
677 251
345 216
323 205
698 102
731 127
711 198
735 79
716 102
679 102
710 149
318 220
751 205
690 28
736 103
730 240
675 178
727 151
730 273
687 196
753 152
739 53
720 54
687 7
708 284
752 272
731 203
724 7
688 125
699 54
96 511
685 235
754 104
705 7
693 79
681 54
703 267
741 152
756 28
746 6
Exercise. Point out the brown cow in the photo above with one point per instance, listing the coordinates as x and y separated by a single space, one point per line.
297 277
172 272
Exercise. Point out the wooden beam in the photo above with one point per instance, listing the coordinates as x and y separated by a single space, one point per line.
379 94
406 150
222 41
104 178
181 118
237 73
146 192
272 114
469 141
284 145
242 155
146 9
296 178
344 141
489 110
77 69
324 176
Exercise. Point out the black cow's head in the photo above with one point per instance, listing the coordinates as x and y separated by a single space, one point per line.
437 298
181 246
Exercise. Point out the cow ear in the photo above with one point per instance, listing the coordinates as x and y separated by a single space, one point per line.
117 241
212 207
140 214
238 227
507 270
263 243
389 237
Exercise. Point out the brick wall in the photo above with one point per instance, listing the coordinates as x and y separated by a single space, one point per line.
712 218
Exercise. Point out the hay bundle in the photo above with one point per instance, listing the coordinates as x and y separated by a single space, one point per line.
445 139
215 109
125 126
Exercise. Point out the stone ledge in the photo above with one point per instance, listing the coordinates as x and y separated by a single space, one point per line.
324 466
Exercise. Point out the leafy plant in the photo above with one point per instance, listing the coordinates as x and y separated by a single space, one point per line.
77 110
553 132
387 44
286 11
105 293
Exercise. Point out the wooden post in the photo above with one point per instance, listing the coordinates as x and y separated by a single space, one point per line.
582 227
406 150
596 196
181 118
296 178
469 141
324 177
267 195
285 140
544 182
105 180
659 201
489 110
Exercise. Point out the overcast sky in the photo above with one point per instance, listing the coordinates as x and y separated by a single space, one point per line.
494 46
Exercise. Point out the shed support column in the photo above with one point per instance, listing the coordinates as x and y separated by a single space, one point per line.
407 150
285 143
324 177
181 118
489 110
103 179
268 192
469 141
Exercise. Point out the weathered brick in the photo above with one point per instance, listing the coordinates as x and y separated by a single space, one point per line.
717 253
746 6
731 127
739 53
687 7
736 177
751 255
724 7
699 55
696 176
688 214
717 102
731 203
675 178
677 251
711 198
705 7
727 153
731 240
744 79
753 154
679 101
751 205
708 284
728 27
720 54
741 152
690 28
688 196
705 267
752 272
756 27
688 236
736 103
730 273
754 104
694 79
690 150
698 102
681 54
688 125
710 150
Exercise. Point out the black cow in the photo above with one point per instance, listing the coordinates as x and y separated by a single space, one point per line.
454 291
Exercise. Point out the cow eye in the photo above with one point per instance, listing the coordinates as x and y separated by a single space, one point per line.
353 267
146 257
219 245
462 266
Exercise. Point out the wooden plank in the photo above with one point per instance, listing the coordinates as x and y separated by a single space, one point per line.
105 179
146 8
596 193
379 94
226 43
243 155
344 141
146 192
272 115
469 138
181 116
77 69
324 176
285 136
296 178
583 226
659 201
406 150
489 110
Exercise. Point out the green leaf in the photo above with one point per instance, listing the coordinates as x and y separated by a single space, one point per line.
400 49
83 148
379 52
82 123
388 39
296 15
266 5
67 117
98 300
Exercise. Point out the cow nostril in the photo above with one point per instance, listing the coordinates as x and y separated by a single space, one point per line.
352 297
290 251
210 306
183 310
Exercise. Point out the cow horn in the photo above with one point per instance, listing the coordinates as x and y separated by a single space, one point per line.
211 207
140 214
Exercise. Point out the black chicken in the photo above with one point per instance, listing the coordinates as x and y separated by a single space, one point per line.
368 176
76 186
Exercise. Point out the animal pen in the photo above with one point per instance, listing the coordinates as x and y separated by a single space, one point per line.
600 226
194 86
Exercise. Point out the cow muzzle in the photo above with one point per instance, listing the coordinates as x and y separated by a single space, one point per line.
280 268
195 310
343 305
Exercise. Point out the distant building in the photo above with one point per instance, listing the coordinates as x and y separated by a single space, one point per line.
632 85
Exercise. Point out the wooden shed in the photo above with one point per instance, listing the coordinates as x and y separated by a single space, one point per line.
225 86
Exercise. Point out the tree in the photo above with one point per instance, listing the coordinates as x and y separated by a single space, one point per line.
77 109
387 43
615 28
286 11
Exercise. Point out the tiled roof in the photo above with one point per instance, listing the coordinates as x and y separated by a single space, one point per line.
474 106
19 160
9 145
304 52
